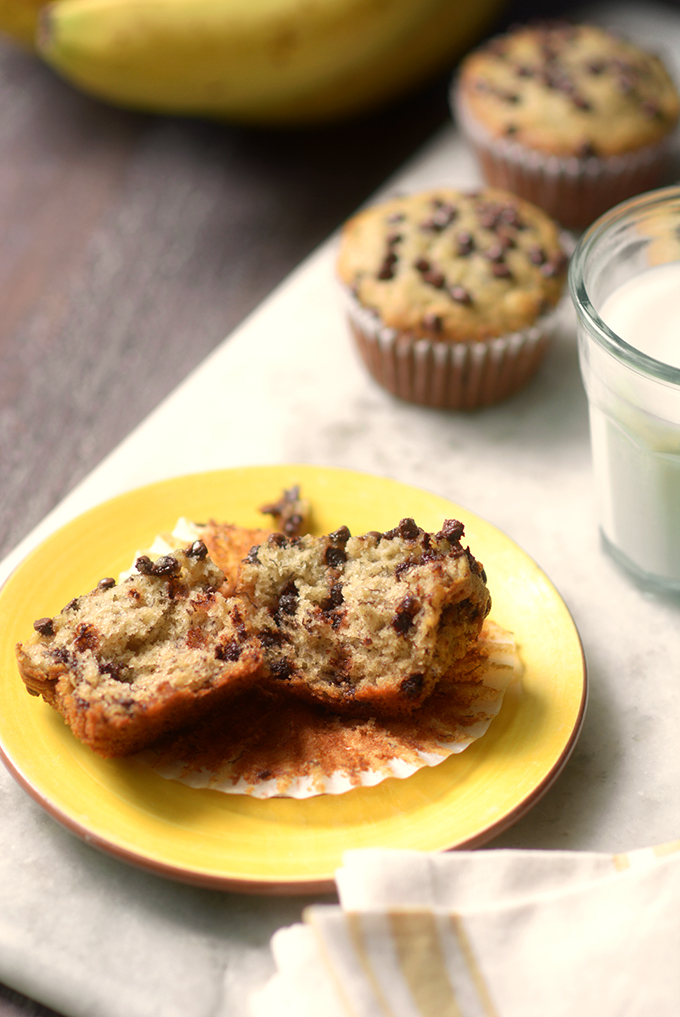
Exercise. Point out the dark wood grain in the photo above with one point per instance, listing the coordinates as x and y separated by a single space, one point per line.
132 245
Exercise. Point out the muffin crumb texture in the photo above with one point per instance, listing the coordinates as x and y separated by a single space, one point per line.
129 661
374 620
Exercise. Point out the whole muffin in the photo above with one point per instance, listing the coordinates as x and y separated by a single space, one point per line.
450 294
572 117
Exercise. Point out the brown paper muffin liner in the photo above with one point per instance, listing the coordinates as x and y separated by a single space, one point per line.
271 744
574 190
449 375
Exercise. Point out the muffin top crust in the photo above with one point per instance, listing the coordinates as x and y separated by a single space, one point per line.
453 266
568 90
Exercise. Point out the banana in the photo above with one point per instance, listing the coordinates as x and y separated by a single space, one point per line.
263 62
19 19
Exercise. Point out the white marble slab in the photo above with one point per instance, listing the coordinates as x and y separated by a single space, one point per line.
88 934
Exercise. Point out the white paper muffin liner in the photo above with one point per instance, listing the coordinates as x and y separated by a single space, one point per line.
457 714
574 190
448 375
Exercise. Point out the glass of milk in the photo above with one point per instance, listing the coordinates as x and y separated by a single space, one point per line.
625 283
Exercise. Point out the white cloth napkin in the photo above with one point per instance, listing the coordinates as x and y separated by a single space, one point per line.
503 933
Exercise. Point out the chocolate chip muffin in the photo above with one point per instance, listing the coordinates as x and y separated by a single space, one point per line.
450 295
372 621
128 662
572 117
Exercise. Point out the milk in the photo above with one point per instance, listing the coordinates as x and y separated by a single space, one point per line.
635 427
645 313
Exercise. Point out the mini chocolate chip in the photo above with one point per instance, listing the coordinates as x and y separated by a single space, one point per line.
509 215
45 626
264 774
335 557
114 669
72 605
106 584
335 598
288 599
460 295
277 540
144 565
394 238
466 243
423 265
510 129
270 638
536 255
412 686
386 270
434 278
166 565
581 103
452 530
433 322
252 557
341 535
408 529
495 253
404 615
86 637
282 669
229 650
500 270
488 218
197 550
505 239
442 217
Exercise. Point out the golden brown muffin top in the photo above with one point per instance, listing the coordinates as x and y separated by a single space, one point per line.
454 266
568 90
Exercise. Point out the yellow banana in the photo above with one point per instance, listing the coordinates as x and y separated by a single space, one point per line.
264 62
19 19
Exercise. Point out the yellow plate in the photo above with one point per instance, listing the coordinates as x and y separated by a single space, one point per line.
283 845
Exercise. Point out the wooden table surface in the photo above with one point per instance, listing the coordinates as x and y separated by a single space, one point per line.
131 245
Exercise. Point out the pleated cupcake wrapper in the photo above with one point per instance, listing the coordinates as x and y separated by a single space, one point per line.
574 190
436 731
449 375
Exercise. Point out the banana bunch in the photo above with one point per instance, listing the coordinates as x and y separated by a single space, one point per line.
262 62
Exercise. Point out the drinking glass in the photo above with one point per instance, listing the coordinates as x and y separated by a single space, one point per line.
633 398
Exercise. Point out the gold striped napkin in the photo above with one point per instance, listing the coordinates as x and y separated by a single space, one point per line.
486 934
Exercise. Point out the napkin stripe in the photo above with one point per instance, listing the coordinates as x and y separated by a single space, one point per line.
661 850
621 862
465 947
418 948
356 933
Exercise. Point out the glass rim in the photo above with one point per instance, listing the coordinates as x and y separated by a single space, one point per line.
597 328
